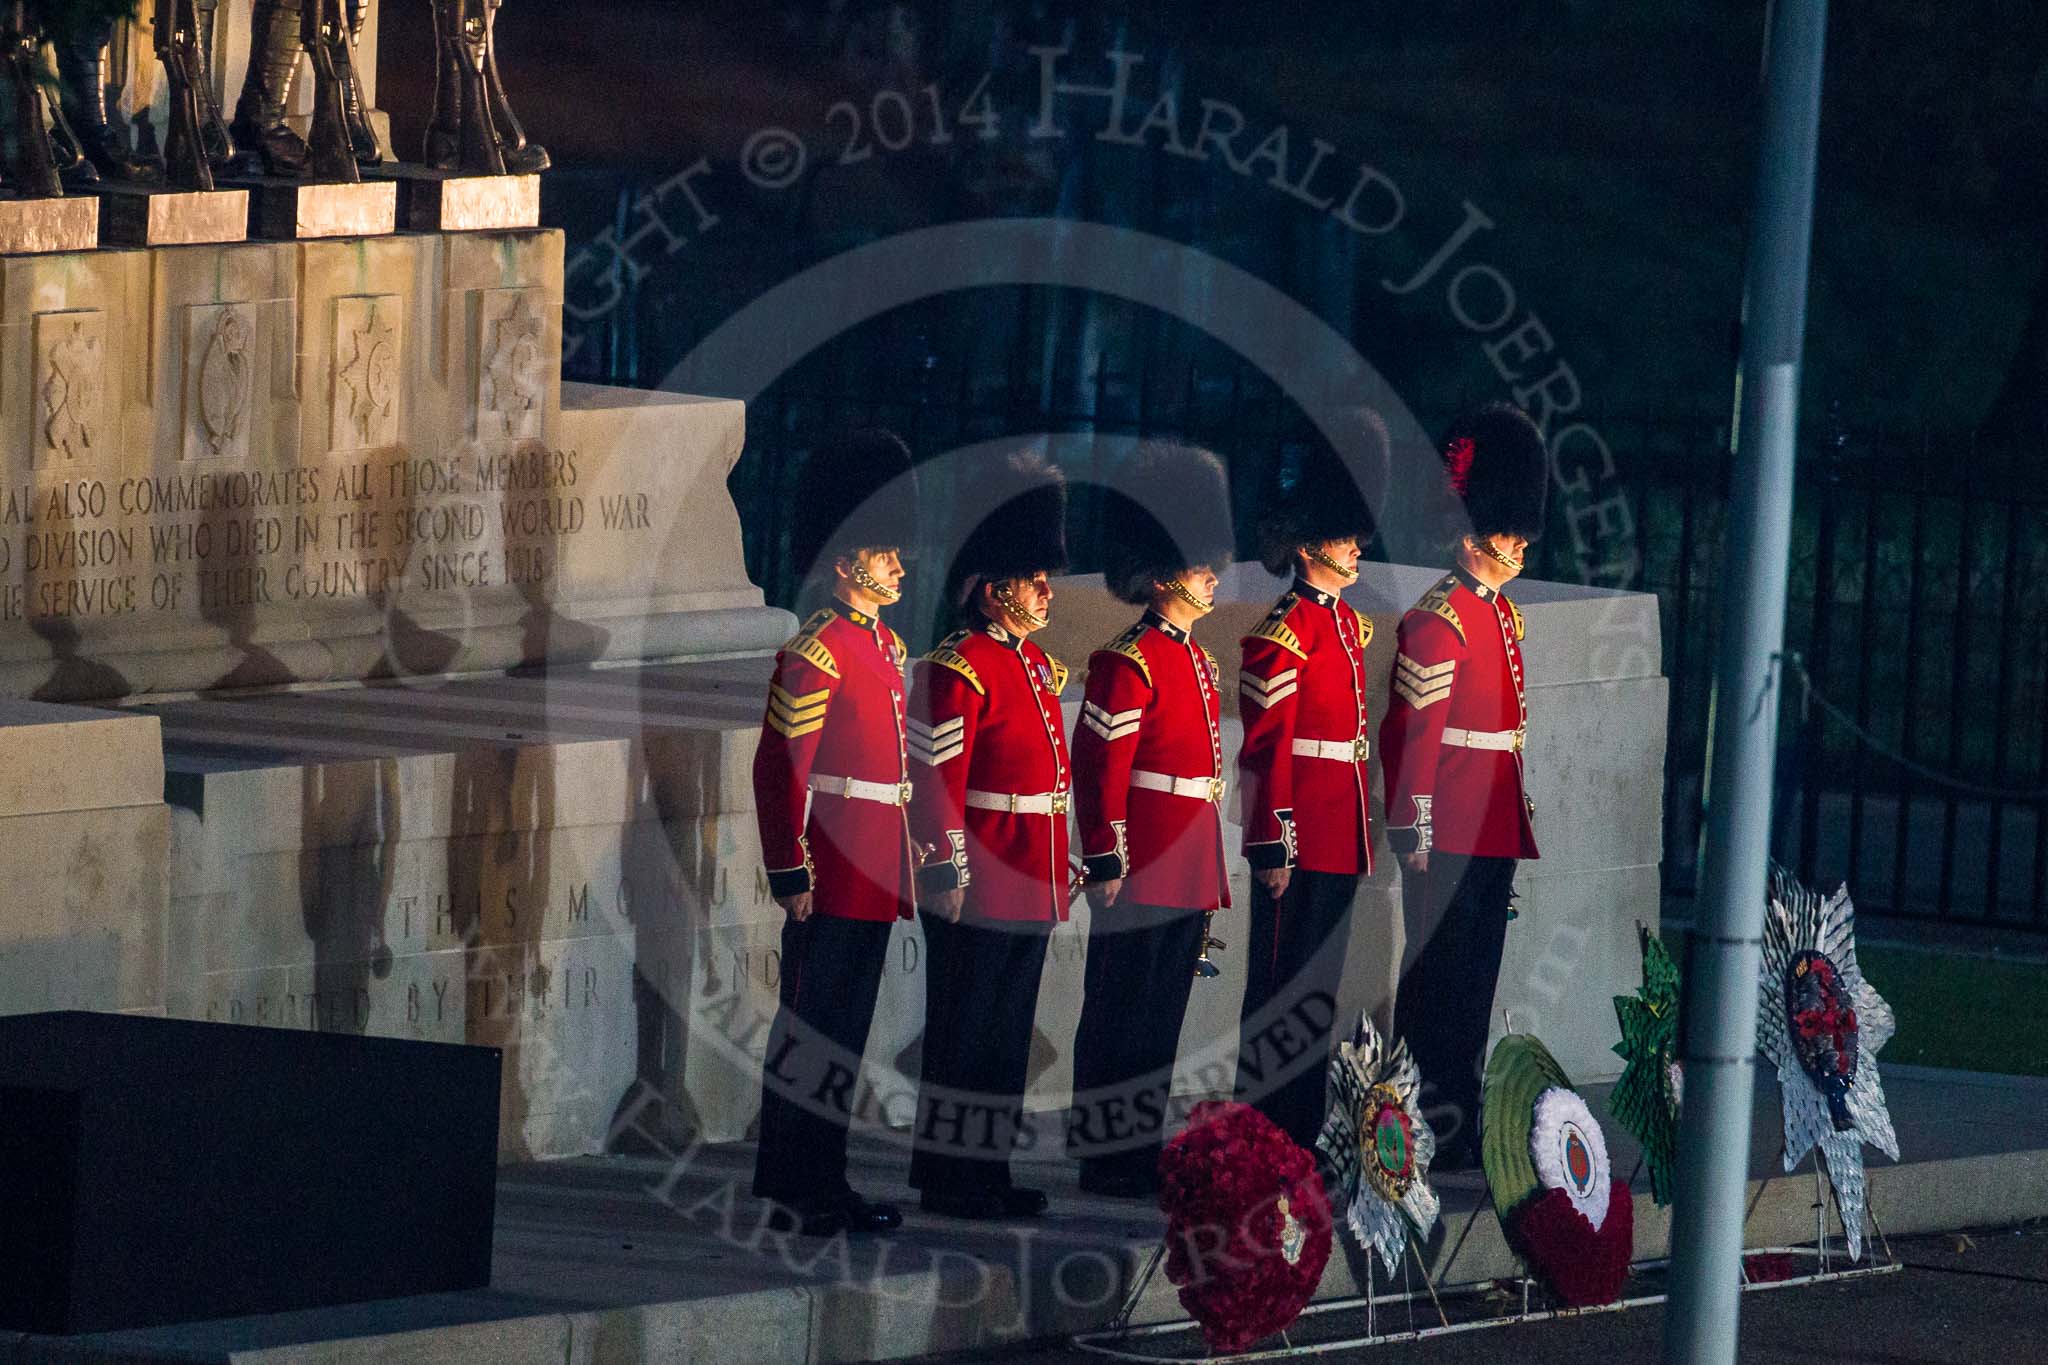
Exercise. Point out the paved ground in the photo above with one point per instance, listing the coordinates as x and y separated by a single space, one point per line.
646 1259
1982 1300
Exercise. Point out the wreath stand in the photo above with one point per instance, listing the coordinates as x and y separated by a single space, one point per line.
1115 1340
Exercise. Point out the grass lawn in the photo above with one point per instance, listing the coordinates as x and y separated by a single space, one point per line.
1968 1012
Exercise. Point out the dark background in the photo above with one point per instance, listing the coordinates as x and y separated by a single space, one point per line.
1612 142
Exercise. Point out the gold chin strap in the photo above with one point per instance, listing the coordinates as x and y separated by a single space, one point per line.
1493 552
1349 575
1004 599
868 583
1185 594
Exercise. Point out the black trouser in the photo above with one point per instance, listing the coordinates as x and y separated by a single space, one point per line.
980 1000
1141 962
831 972
1292 970
1458 911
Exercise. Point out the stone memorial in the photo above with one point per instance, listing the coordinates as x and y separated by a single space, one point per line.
366 677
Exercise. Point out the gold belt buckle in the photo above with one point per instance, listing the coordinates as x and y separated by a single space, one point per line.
1520 735
1361 747
902 793
1216 790
1059 803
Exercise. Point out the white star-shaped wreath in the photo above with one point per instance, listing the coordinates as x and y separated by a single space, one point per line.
1812 997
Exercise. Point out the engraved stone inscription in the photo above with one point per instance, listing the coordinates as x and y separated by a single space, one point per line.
368 334
220 380
70 385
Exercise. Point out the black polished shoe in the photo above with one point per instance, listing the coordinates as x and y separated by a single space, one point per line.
1114 1184
806 1219
1021 1201
977 1205
865 1219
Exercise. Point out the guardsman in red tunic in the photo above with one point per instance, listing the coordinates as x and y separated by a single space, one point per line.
1149 788
1458 812
989 748
832 787
1303 769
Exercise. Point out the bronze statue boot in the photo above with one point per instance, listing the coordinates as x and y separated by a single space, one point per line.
214 138
369 152
521 157
82 82
259 129
30 167
460 135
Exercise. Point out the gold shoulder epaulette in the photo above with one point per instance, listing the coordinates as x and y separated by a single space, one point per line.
806 645
1126 644
1059 674
946 654
1276 629
1438 600
1516 612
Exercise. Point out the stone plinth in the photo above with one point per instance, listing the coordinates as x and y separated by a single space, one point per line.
271 463
565 865
84 845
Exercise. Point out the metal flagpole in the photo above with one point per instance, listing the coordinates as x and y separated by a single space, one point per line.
1719 1012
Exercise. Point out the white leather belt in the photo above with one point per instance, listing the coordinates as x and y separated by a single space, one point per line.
1507 741
1039 803
1196 788
1341 750
854 789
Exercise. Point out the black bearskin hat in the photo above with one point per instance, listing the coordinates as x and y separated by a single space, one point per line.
858 491
1497 462
1167 511
1324 495
1016 515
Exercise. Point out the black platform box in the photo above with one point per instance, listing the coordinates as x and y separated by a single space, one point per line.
155 1171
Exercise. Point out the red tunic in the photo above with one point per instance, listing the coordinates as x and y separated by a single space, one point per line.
1451 744
985 729
1301 695
836 712
1151 716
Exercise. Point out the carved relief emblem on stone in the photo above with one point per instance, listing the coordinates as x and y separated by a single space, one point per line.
512 366
70 384
366 372
220 380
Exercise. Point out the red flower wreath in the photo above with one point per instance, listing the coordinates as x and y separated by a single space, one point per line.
1247 1224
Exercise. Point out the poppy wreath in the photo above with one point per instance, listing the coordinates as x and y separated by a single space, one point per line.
1546 1162
1247 1224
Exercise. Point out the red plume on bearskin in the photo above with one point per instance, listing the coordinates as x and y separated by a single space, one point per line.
1496 461
1247 1224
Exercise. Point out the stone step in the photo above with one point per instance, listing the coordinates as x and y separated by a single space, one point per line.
611 1261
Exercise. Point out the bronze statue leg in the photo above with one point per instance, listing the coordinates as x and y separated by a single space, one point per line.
324 34
461 135
274 51
521 157
361 135
31 170
82 82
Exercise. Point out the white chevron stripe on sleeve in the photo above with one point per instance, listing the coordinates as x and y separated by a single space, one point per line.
1264 692
1423 685
933 756
934 734
1111 727
1262 700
